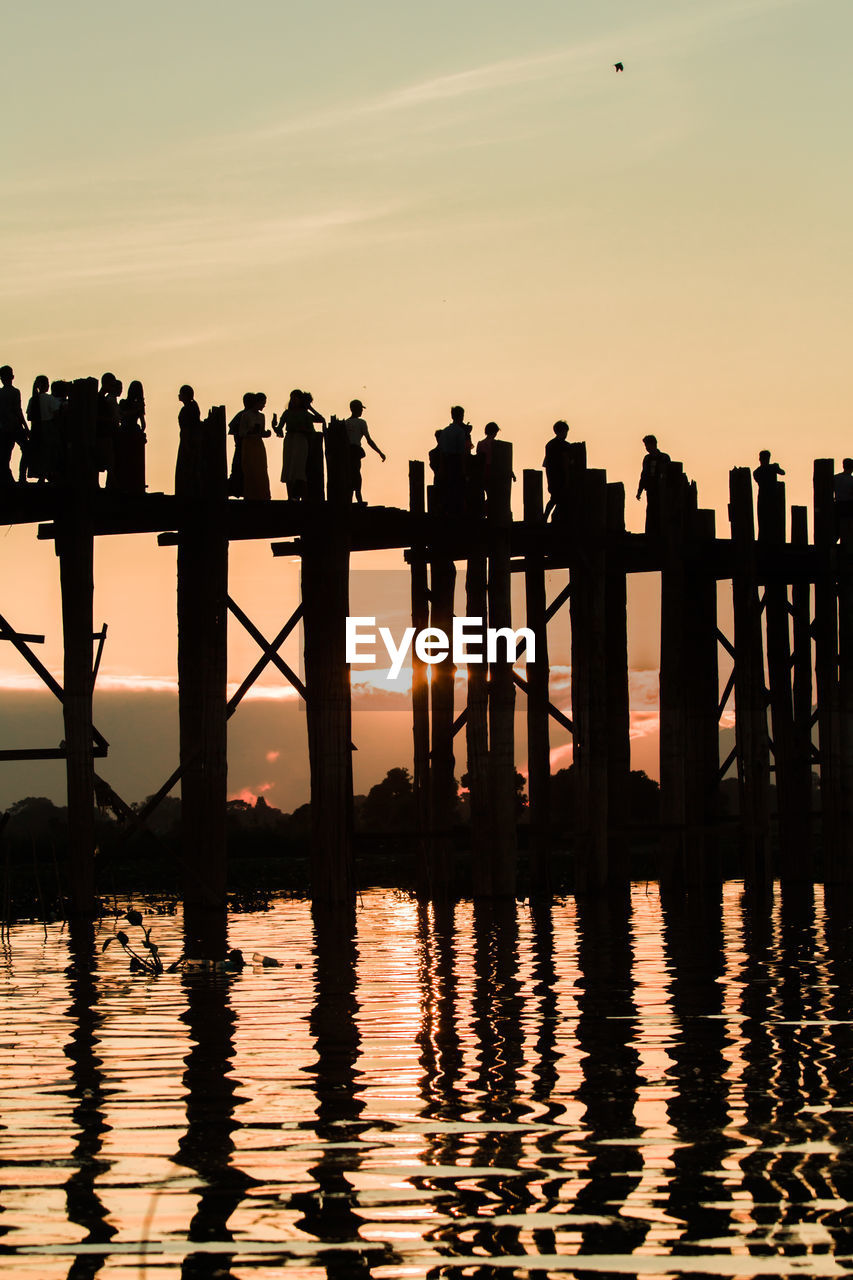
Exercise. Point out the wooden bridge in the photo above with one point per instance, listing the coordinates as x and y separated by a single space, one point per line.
792 605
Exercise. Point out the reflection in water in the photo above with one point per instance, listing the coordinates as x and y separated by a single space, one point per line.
83 1204
697 1107
329 1212
605 1031
448 1089
207 1146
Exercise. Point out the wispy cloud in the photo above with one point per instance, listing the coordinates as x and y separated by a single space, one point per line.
666 37
175 244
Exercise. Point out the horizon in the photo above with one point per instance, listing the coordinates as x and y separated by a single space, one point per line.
489 215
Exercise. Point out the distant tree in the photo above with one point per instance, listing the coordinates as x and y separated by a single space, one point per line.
520 793
643 798
390 804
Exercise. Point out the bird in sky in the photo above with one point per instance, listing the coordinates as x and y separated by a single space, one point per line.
618 66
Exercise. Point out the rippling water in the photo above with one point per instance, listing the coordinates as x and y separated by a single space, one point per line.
478 1090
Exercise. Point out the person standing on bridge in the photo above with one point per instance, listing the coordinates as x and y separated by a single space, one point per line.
188 478
251 431
454 445
766 476
13 424
651 479
356 429
556 463
297 425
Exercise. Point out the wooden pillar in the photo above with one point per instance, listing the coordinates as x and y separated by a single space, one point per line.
843 863
673 524
202 699
588 516
750 703
442 762
702 695
801 867
325 603
538 723
477 721
420 685
826 672
75 548
501 685
771 535
618 707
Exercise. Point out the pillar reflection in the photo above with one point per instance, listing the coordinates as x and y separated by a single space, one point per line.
329 1211
207 1145
606 1029
83 1205
698 1108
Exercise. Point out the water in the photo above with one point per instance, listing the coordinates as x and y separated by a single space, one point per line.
487 1091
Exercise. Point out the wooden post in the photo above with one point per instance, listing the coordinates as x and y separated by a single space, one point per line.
325 604
618 707
673 524
702 693
843 863
588 517
826 671
420 685
750 703
801 867
442 762
771 535
202 694
477 722
75 547
501 685
538 724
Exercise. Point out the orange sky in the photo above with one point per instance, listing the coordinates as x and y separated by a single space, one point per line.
423 207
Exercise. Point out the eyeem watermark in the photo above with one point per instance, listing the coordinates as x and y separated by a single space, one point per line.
469 642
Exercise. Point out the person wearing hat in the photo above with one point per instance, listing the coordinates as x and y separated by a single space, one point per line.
356 429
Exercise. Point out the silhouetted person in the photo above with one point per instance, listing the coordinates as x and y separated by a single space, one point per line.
235 478
454 445
357 432
128 473
844 492
251 432
556 464
766 476
314 470
484 447
50 406
651 478
106 423
297 425
55 428
32 461
434 457
188 480
13 426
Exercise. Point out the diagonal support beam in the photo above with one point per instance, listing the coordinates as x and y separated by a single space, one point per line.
9 633
727 763
727 693
554 712
727 644
270 654
558 602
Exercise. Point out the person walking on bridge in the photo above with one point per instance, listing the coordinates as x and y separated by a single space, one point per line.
651 479
356 429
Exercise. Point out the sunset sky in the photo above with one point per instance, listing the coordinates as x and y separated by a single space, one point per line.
422 206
